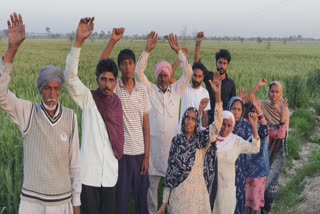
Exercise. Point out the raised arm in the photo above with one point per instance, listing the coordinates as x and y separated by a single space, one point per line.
19 110
181 85
77 90
254 147
262 82
117 34
176 64
199 39
152 42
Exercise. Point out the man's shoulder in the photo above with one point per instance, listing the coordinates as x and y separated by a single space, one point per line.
67 110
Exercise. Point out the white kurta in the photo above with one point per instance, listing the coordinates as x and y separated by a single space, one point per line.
164 115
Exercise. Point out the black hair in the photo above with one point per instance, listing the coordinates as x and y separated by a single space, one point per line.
126 54
107 65
199 65
223 53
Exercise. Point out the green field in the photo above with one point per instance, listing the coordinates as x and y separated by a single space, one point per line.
295 61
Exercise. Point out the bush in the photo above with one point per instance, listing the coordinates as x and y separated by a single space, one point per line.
303 123
293 147
313 83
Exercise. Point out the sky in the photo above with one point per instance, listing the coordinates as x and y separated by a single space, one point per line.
245 18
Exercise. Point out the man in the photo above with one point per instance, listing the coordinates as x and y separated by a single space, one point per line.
134 165
102 127
51 182
195 93
165 101
228 87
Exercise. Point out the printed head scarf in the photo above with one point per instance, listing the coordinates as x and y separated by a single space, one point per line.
163 67
233 100
48 74
197 129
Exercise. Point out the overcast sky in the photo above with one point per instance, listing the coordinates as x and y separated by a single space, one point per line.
246 18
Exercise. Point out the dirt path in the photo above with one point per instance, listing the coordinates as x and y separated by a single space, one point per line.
310 196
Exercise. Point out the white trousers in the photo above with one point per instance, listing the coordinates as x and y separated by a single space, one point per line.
152 194
27 207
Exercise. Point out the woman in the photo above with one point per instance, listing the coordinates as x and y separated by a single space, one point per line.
229 147
243 129
276 113
191 167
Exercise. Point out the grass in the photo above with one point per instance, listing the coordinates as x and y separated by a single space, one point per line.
250 62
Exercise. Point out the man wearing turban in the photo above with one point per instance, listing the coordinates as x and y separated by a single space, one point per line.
51 182
164 116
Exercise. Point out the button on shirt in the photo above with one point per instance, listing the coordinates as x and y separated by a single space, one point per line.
164 115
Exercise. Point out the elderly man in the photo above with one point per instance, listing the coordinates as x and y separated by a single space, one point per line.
102 127
165 101
51 181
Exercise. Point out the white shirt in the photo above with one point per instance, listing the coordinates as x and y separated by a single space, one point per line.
164 114
98 163
192 98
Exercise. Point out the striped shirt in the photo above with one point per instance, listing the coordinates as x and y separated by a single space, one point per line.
135 105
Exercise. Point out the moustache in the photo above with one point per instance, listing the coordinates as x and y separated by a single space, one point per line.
195 83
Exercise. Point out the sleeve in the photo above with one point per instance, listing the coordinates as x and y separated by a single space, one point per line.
147 103
140 69
74 156
248 148
207 96
263 131
234 91
166 194
182 83
207 76
215 127
77 90
18 109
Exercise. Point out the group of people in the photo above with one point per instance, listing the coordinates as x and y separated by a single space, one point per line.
224 154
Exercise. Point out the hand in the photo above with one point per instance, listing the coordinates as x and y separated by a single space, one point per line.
203 104
152 41
242 94
216 83
262 82
85 29
76 210
174 43
256 104
16 31
253 119
162 209
145 166
283 106
117 34
200 38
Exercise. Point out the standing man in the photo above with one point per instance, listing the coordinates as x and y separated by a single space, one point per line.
195 93
51 182
102 127
228 87
165 101
134 164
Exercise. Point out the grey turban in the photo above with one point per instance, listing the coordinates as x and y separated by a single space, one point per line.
48 74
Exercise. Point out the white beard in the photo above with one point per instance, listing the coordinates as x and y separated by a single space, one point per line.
49 108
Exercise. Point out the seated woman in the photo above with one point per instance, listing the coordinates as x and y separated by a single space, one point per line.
192 161
243 129
229 147
277 115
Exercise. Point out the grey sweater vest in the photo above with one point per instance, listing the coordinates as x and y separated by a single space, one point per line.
46 156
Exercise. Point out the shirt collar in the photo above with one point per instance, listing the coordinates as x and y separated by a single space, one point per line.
135 87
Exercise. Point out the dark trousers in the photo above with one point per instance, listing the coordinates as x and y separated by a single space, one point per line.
130 175
97 200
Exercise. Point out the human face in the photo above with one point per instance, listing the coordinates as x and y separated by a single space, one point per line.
236 110
107 82
190 122
163 81
275 93
226 128
222 65
197 78
50 94
127 68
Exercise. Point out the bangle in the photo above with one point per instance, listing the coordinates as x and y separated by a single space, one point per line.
282 123
261 116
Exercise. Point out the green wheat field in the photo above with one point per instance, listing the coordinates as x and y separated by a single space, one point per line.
293 62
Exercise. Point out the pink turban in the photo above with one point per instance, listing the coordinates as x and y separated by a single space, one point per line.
163 67
229 115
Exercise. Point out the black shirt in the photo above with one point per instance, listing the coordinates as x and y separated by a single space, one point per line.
228 90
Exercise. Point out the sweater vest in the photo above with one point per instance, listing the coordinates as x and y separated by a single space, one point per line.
46 145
